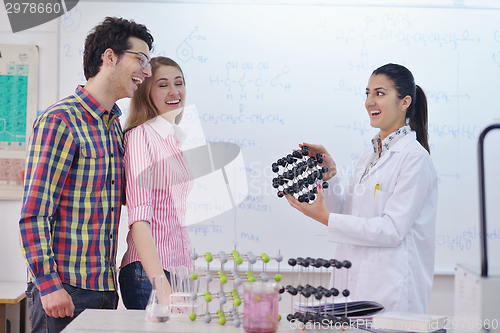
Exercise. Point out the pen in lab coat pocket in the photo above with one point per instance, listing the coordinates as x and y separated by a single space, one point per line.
377 187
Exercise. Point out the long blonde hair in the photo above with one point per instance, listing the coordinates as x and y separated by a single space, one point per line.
142 108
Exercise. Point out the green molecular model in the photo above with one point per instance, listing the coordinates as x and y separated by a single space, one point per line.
228 277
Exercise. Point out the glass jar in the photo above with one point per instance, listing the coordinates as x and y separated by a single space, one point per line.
157 309
260 309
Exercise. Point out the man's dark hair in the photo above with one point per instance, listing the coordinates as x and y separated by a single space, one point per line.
113 33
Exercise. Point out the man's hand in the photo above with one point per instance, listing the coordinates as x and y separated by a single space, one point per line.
58 304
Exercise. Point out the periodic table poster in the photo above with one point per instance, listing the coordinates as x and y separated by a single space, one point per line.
18 105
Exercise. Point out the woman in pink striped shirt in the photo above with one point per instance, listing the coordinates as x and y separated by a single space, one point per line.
158 181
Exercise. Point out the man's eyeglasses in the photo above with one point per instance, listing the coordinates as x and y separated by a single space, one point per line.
144 61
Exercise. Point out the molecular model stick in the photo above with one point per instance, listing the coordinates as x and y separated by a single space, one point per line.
312 312
299 175
234 278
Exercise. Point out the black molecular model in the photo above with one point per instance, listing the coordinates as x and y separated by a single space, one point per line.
299 175
319 310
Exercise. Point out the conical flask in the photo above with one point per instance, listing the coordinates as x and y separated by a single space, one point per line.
157 309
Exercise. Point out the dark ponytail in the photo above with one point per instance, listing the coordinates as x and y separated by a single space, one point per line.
405 85
418 118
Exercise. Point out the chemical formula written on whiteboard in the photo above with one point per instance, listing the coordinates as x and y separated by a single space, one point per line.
248 80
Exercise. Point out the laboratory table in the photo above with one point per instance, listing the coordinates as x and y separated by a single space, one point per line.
12 293
106 321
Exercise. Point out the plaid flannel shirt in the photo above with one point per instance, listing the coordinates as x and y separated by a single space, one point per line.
72 195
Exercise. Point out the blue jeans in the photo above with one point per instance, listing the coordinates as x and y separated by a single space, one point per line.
135 286
82 299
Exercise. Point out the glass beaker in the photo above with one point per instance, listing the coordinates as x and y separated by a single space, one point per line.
260 310
157 309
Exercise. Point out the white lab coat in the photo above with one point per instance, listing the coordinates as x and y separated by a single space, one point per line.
389 237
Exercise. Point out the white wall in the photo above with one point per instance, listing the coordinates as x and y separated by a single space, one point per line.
46 37
12 266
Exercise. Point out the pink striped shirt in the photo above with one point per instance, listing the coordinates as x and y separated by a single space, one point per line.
159 179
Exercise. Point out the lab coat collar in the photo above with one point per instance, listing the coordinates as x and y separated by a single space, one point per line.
164 128
398 146
403 142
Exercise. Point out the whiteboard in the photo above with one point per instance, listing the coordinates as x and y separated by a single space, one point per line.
268 77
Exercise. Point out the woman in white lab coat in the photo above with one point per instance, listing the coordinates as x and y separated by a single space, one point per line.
384 219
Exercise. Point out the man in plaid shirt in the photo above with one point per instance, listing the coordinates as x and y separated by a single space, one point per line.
73 184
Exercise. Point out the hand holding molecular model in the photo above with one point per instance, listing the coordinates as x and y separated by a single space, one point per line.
299 178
